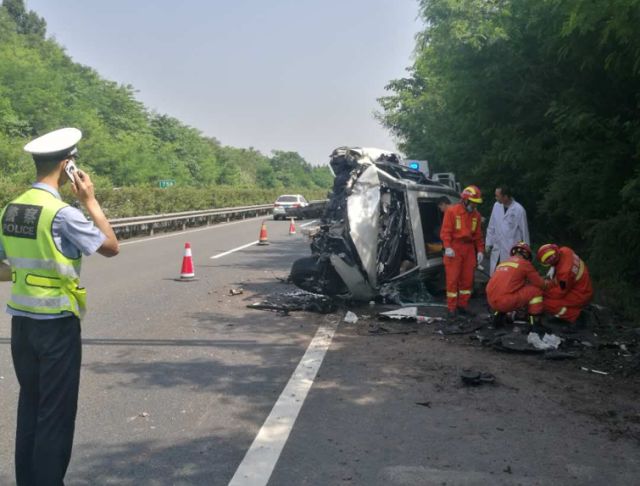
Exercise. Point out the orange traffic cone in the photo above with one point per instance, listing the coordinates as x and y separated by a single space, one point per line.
187 273
262 240
292 228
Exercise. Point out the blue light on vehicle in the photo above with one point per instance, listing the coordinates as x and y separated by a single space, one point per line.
414 165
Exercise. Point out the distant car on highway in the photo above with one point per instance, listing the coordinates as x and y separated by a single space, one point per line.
289 206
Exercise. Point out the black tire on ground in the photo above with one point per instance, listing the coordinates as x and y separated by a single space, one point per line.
307 274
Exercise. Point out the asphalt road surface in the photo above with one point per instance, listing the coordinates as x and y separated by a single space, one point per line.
183 385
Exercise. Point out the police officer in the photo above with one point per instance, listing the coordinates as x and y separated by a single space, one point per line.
43 240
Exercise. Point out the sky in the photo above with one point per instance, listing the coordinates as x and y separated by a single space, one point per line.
295 75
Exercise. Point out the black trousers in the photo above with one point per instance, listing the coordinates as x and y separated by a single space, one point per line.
46 357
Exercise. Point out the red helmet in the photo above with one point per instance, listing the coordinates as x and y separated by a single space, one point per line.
471 193
522 249
549 254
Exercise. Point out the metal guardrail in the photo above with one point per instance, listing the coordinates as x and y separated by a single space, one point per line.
137 225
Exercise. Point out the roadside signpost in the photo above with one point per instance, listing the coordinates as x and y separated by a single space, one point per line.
164 183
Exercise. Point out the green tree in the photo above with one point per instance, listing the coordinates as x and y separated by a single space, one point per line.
26 22
540 94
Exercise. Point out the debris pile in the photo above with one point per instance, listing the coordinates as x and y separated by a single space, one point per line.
298 300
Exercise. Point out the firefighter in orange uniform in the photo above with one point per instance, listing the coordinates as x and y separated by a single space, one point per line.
516 284
570 289
463 243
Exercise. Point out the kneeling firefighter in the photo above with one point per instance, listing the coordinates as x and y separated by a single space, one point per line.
516 284
570 289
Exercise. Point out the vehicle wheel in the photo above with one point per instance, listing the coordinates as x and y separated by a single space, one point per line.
319 279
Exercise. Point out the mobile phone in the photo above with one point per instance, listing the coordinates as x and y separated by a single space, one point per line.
70 168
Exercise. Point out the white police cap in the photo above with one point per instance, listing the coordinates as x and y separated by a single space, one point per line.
59 142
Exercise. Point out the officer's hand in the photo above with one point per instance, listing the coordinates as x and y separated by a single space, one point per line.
82 186
480 257
5 272
448 252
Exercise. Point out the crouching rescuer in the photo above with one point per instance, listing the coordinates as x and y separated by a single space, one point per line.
516 284
461 236
570 289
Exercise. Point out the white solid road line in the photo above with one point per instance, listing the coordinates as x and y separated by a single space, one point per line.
219 255
307 224
171 235
259 461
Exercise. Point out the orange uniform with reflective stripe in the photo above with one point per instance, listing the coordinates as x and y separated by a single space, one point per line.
461 230
571 288
515 284
462 226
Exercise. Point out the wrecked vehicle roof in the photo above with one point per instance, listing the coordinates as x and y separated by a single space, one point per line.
381 224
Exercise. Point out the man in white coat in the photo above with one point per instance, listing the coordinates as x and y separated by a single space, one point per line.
507 226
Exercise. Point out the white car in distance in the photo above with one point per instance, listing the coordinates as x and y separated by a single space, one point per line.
289 206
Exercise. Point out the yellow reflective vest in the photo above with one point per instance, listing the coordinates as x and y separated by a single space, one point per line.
44 280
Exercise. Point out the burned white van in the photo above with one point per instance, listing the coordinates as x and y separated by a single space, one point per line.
381 225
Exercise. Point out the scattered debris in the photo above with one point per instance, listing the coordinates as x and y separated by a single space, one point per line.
474 378
296 301
424 404
350 318
598 372
378 329
463 327
429 320
237 291
402 314
513 342
408 314
548 341
144 415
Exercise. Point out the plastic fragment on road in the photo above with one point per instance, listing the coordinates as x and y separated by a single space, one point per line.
404 313
350 318
429 320
144 415
597 372
237 291
548 341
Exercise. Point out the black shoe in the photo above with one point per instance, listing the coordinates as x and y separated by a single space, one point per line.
582 322
463 311
499 320
538 327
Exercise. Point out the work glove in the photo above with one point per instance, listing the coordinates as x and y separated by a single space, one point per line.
551 273
449 252
480 257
